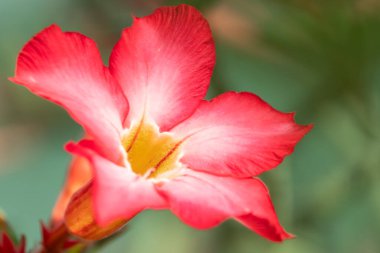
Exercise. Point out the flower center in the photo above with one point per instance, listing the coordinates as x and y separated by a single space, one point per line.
150 152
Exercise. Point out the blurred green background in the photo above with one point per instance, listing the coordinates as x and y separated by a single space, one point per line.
320 58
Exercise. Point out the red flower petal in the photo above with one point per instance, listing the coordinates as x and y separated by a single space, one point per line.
66 68
264 227
203 201
238 134
164 64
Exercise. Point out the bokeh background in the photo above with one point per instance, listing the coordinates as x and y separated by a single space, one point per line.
320 58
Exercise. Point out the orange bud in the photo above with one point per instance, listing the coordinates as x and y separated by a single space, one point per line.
80 220
79 175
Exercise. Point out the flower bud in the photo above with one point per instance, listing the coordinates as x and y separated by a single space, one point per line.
80 220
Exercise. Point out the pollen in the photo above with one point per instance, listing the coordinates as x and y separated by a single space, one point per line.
151 152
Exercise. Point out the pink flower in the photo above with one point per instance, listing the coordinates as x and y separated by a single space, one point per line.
154 142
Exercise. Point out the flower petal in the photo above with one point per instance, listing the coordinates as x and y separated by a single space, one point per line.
202 200
66 68
264 227
118 193
238 134
164 64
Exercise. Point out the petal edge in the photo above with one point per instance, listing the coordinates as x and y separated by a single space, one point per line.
239 135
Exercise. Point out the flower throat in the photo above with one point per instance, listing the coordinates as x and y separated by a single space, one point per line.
150 152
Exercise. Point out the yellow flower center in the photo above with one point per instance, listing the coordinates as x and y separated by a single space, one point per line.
150 152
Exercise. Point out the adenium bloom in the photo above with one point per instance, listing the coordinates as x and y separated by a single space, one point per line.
152 140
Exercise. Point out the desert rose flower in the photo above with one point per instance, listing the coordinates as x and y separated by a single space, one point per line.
154 142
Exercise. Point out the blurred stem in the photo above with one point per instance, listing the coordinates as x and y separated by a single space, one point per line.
55 241
58 240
